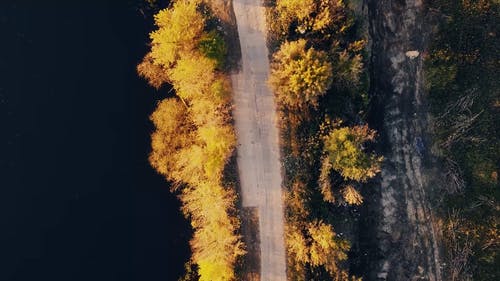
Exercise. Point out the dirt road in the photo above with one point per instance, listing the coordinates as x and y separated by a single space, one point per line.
256 129
405 239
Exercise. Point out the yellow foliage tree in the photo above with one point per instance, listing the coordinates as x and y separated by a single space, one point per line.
331 15
316 244
193 139
297 245
344 148
297 199
155 75
326 249
218 141
325 16
349 68
215 245
299 75
179 30
220 89
205 110
296 9
174 133
192 76
352 196
188 167
214 270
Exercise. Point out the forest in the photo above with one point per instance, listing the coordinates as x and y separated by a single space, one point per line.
319 77
194 140
320 55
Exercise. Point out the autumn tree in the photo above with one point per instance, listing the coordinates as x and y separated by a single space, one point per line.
344 148
297 244
155 74
321 58
204 109
218 141
195 155
193 138
348 68
192 76
173 133
324 16
182 51
215 244
345 153
300 75
351 195
179 31
326 249
316 244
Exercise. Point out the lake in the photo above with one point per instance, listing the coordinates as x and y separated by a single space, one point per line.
78 199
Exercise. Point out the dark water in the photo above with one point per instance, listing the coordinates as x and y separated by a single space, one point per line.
78 200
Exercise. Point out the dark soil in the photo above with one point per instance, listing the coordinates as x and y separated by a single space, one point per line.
399 241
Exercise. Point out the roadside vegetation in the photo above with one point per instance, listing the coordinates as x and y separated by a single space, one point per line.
320 83
193 138
462 78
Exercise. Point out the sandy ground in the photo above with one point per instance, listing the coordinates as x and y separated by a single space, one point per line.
256 128
406 237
